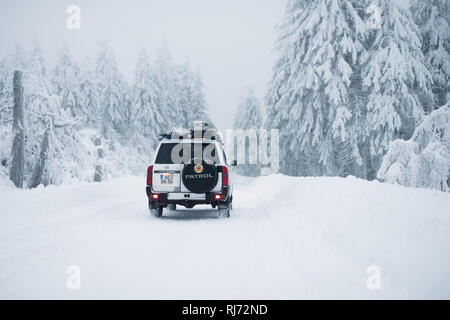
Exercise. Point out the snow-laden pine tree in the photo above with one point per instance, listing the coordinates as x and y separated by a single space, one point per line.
164 77
145 116
395 78
185 92
199 106
309 98
15 61
424 160
53 150
192 100
88 97
42 105
6 103
75 90
433 20
249 116
111 90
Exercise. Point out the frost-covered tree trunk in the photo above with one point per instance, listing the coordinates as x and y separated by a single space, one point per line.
248 116
40 173
17 153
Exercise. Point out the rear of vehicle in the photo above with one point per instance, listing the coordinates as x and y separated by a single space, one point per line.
202 178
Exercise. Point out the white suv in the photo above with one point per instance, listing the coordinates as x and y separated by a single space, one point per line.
187 171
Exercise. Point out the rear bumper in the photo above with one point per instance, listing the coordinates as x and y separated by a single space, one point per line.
163 200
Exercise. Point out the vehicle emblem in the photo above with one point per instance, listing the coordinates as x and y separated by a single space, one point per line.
198 168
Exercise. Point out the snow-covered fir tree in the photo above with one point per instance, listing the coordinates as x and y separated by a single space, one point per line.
319 42
41 105
145 116
53 149
249 116
6 104
66 79
395 78
191 96
433 20
199 106
424 160
15 61
164 77
111 91
75 88
88 97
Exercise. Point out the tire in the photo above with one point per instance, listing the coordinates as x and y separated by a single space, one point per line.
225 211
157 213
172 207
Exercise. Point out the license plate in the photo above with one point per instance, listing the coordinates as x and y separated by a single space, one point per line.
166 178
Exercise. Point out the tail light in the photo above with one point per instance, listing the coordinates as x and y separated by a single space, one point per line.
149 175
224 176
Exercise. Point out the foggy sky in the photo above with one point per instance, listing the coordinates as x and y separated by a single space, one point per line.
231 41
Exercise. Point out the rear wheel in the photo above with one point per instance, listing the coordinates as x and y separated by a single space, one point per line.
157 212
172 207
225 210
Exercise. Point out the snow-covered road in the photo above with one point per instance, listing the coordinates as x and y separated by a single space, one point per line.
287 238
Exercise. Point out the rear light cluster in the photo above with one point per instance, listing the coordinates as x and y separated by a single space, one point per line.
224 176
149 175
225 181
153 196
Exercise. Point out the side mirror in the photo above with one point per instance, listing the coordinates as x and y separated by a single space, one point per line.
234 163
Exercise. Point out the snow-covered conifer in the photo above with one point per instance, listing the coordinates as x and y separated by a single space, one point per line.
192 101
164 77
88 97
319 42
424 160
74 88
145 115
111 90
433 20
395 78
248 116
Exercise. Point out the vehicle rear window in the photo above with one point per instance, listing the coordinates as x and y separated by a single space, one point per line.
165 152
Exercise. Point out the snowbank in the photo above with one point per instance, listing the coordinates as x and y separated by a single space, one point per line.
288 238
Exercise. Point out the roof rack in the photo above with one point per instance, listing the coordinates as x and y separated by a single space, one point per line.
201 130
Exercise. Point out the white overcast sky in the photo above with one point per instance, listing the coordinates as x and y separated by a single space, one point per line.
230 41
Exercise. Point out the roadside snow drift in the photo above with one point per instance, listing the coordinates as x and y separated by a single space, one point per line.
288 238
